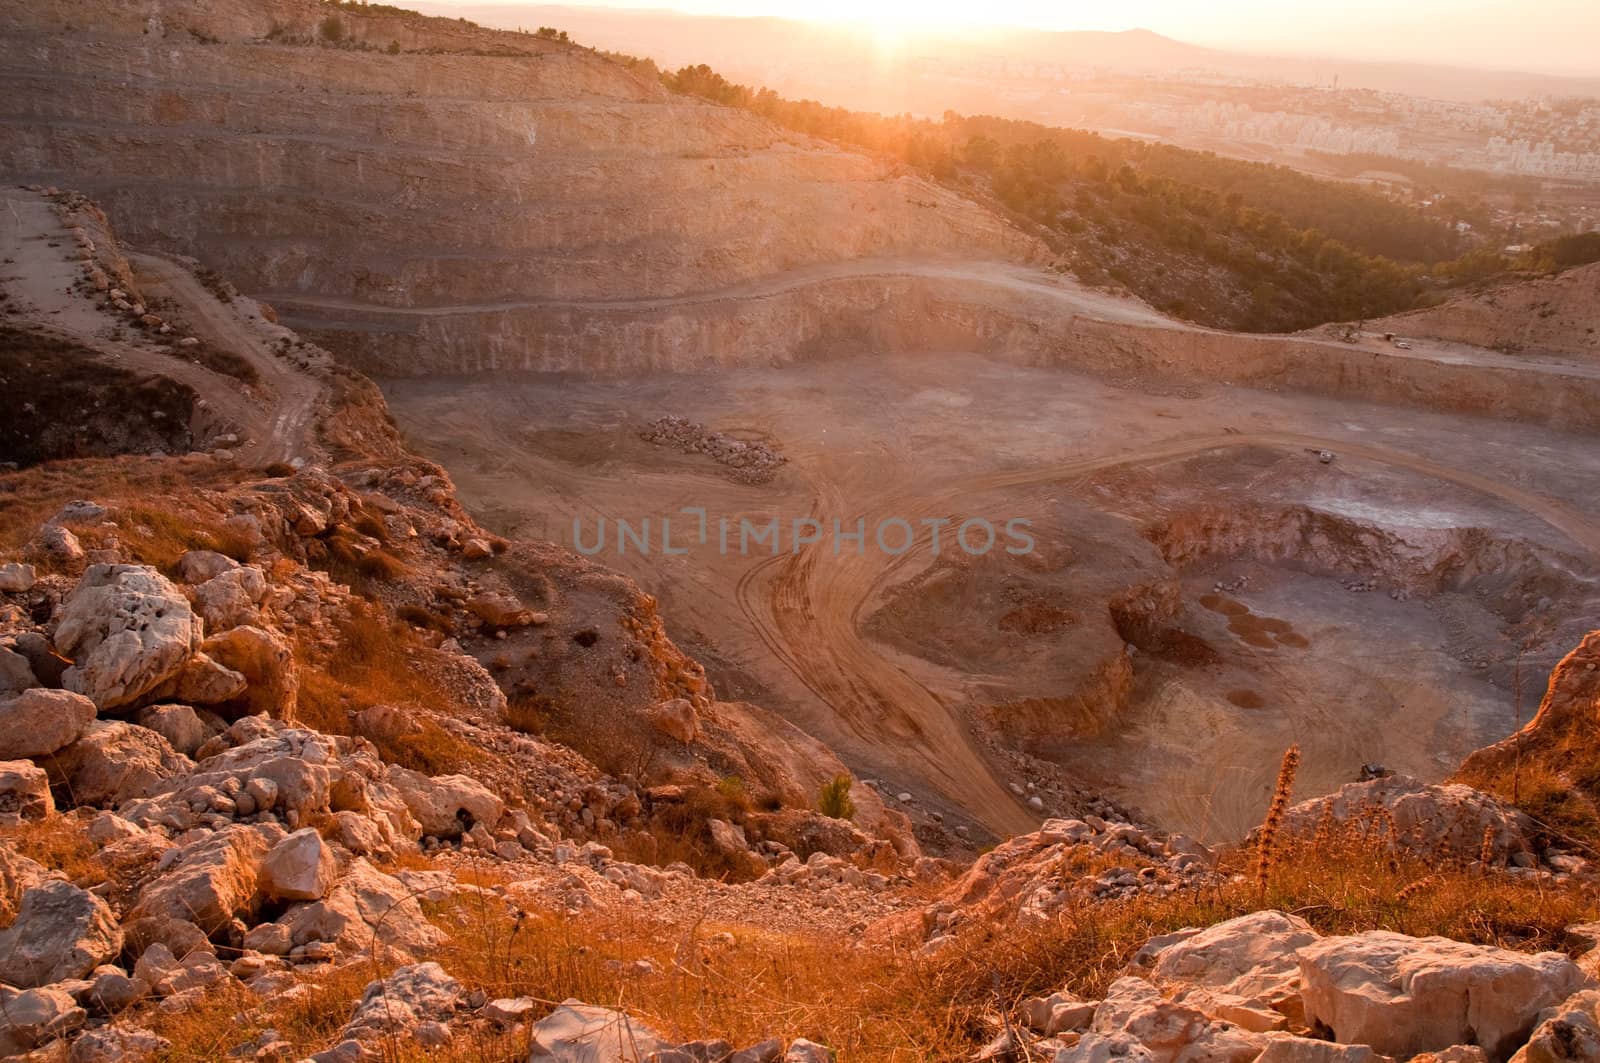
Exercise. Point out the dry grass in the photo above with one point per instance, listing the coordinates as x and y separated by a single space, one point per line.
375 663
884 1004
59 843
1559 786
30 497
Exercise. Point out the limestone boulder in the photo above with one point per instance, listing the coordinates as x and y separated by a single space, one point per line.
211 881
1403 995
60 932
1248 968
118 1044
38 722
1429 819
299 868
126 629
446 806
365 910
398 1004
1567 1033
231 598
582 1032
115 762
266 660
1136 1022
24 792
34 1017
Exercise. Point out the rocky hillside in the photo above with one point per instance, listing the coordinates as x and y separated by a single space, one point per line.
1547 315
387 163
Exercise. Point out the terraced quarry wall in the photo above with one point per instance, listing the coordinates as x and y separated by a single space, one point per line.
417 180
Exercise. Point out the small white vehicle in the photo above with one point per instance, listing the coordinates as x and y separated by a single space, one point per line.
1402 344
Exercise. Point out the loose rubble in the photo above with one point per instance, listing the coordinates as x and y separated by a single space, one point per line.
747 461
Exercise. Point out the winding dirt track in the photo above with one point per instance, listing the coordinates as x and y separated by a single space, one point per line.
42 269
807 606
284 432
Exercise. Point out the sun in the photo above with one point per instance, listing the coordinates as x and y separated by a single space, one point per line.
891 23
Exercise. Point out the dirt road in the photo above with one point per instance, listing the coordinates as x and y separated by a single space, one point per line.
1065 298
285 431
274 419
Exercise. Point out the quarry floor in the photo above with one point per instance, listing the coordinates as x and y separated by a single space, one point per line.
892 657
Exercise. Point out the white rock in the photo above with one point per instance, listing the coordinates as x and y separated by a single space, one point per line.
126 629
1252 958
299 868
17 578
24 791
1404 995
60 932
582 1033
38 722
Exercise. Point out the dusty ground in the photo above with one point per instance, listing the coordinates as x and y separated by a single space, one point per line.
905 676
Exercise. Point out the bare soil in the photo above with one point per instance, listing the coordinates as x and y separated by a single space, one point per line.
1372 614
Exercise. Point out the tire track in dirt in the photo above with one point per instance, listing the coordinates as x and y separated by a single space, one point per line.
808 611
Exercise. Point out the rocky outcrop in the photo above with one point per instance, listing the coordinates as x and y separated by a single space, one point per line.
1403 995
579 1031
212 880
115 762
60 932
38 722
1449 820
127 629
24 792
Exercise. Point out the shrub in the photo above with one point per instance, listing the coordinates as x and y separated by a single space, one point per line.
834 800
379 565
331 29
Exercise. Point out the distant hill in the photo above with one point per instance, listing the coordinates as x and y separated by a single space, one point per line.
829 63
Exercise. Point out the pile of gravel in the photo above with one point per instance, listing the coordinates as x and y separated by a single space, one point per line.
746 462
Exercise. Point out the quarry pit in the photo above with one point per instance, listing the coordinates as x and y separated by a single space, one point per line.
1216 571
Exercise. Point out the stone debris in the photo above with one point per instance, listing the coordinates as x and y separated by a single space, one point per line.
750 462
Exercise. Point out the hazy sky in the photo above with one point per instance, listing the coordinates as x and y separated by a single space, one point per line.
1546 36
